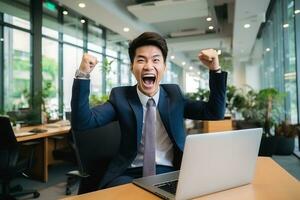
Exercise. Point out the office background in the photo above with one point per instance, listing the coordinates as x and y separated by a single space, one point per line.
42 42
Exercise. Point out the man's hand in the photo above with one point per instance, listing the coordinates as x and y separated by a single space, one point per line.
209 57
88 63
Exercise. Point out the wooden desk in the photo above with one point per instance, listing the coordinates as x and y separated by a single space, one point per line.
216 126
270 182
43 156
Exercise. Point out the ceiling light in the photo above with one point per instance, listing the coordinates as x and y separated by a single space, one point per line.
172 57
208 19
82 21
126 29
81 5
285 25
191 67
297 11
65 12
247 25
210 27
183 63
1 39
268 49
219 52
198 73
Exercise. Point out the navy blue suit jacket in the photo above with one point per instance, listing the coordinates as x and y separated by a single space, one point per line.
124 105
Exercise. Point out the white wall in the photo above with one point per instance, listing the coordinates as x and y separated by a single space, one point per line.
238 74
252 76
246 71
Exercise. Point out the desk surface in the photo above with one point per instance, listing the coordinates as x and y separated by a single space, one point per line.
51 131
270 182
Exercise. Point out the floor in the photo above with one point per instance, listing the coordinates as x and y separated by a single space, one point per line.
55 187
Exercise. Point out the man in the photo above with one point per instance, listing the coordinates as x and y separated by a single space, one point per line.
150 114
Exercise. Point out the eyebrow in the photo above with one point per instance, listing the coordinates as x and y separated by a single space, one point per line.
156 56
141 56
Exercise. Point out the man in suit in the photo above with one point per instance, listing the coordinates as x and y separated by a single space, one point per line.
129 105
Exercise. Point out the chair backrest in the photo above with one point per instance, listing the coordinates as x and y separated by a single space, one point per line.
8 146
7 136
96 146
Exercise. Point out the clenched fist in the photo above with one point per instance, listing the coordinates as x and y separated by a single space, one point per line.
88 63
209 57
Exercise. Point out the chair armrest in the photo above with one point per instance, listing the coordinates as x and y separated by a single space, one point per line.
77 173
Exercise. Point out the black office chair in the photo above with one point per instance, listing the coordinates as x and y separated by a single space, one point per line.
11 164
94 149
67 153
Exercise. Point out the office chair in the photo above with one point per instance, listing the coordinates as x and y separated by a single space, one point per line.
11 164
94 150
67 153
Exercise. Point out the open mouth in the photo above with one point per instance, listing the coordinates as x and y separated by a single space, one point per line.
149 79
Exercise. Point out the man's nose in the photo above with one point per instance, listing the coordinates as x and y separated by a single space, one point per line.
149 65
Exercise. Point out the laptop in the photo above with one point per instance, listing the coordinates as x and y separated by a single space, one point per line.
211 162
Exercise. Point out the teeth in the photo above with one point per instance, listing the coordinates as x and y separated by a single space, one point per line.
148 75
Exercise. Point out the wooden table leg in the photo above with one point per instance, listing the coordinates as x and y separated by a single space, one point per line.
40 163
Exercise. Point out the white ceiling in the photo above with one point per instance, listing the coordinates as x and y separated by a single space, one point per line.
182 22
252 12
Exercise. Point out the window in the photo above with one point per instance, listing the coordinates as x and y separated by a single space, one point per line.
73 30
96 77
71 61
50 76
95 40
290 64
16 12
279 67
17 69
125 69
112 76
50 23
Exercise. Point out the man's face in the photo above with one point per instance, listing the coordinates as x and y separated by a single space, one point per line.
148 68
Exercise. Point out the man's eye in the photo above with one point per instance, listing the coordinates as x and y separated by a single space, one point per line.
140 60
156 60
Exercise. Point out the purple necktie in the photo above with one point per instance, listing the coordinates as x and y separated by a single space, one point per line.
149 167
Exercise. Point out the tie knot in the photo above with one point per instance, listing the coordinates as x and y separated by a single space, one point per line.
150 102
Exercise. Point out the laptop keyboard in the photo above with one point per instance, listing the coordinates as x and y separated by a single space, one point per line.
168 186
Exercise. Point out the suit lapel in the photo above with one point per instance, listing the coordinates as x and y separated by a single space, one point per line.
137 108
164 109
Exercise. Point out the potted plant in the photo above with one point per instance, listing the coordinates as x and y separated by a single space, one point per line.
286 134
245 103
265 109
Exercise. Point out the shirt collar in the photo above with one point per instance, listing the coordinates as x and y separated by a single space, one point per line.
144 98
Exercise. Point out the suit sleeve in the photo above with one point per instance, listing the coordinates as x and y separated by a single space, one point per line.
214 109
84 117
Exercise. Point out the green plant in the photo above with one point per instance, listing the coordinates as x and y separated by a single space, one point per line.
225 61
201 94
106 65
235 101
97 100
264 107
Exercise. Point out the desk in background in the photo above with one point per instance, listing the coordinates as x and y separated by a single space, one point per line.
43 155
217 126
270 182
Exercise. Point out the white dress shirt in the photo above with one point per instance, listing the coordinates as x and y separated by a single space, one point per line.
164 146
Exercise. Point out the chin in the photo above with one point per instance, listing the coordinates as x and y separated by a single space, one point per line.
149 92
